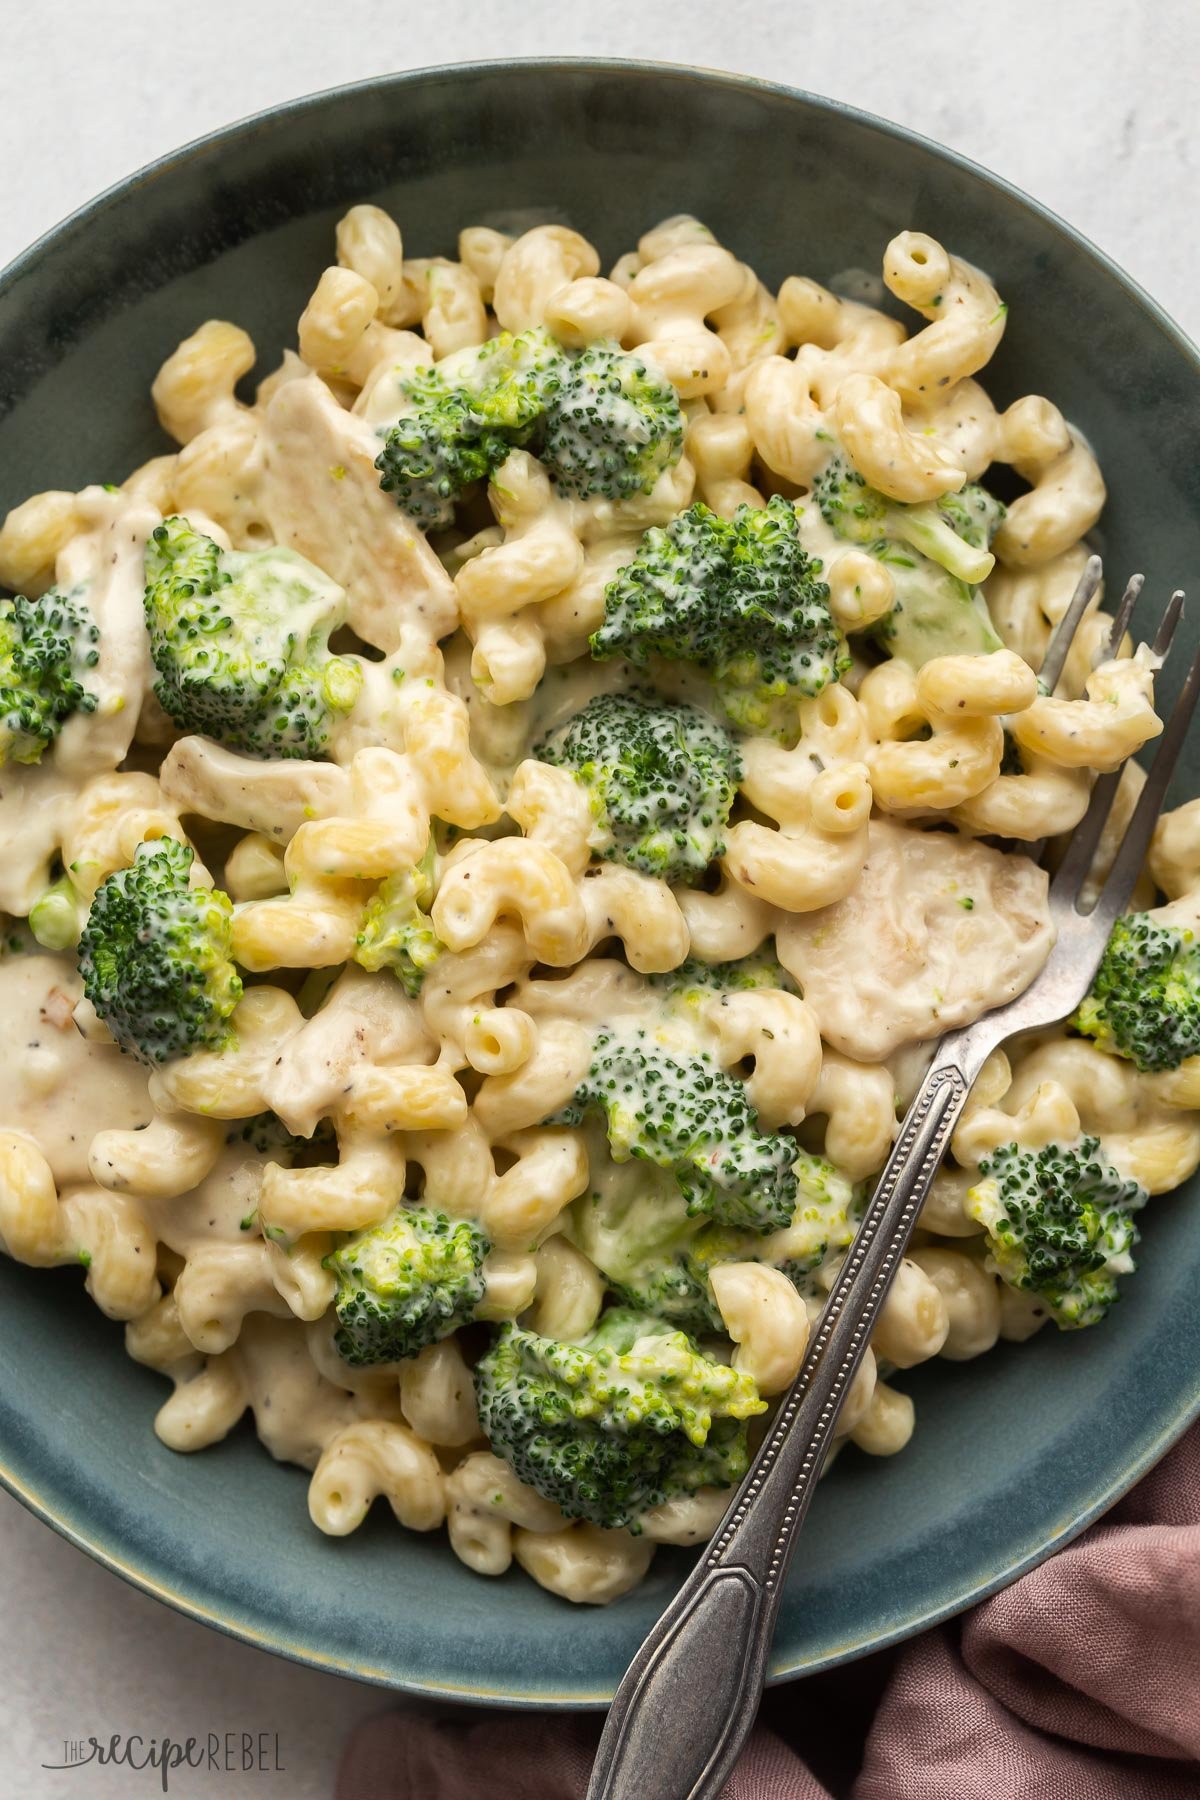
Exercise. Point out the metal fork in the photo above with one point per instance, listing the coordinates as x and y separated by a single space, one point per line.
686 1705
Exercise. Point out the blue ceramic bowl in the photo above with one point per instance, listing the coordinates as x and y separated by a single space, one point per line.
1013 1454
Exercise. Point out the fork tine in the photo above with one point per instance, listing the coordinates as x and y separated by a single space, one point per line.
1129 599
1127 864
1170 619
1111 645
1076 864
1073 870
1060 643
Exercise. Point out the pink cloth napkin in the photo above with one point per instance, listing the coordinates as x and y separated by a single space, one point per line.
1079 1682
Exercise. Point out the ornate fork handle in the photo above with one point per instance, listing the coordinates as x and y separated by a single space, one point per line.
686 1705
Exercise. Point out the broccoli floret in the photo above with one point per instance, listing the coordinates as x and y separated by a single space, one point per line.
155 957
936 553
47 647
612 426
240 639
432 456
15 938
405 1283
1144 1003
694 981
660 779
933 613
395 932
1059 1224
466 415
600 421
954 531
56 917
608 1428
824 1220
267 1135
671 1290
687 1115
510 380
740 599
973 515
636 1228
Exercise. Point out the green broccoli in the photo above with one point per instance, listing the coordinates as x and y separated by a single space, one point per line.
404 1283
685 1114
694 981
974 516
824 1220
738 598
509 380
635 1227
600 421
1059 1224
240 640
47 647
57 915
466 415
395 932
15 938
954 531
608 1428
1144 1003
611 427
267 1135
670 1289
661 780
432 455
933 612
155 957
936 554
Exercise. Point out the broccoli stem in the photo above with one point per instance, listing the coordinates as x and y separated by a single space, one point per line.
56 917
924 528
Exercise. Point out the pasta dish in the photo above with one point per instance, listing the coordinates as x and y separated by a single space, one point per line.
491 828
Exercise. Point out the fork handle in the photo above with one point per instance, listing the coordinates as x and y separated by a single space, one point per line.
685 1707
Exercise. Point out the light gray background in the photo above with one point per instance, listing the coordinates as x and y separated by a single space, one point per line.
1087 104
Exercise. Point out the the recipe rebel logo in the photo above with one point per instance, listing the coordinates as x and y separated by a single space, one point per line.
218 1752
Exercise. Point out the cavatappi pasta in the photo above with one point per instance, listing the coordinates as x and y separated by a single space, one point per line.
489 832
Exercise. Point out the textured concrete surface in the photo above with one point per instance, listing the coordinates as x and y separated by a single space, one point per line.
1085 103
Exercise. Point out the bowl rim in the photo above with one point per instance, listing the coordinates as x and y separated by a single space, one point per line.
106 1550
